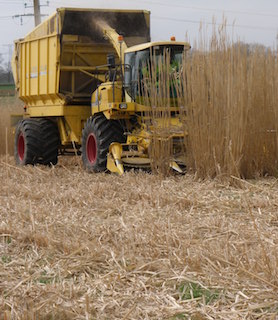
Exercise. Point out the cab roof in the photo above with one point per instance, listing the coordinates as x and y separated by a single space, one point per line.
157 43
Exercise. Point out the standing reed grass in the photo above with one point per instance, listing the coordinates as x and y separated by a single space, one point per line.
227 100
230 94
156 94
261 151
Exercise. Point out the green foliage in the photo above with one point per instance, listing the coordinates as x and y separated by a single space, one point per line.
179 316
44 279
193 290
6 259
7 239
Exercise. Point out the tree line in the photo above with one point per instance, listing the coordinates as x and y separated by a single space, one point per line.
6 75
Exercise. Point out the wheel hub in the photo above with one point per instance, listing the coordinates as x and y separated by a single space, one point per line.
91 148
21 146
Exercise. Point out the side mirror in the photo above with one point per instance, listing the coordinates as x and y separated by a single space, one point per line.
127 75
111 60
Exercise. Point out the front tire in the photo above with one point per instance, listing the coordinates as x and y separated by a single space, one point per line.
97 135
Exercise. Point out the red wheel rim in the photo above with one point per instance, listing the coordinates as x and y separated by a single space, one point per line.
91 148
20 146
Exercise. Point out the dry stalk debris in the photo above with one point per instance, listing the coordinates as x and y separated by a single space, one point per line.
95 246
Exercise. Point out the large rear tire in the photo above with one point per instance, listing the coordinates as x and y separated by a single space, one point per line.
51 139
97 135
28 142
36 142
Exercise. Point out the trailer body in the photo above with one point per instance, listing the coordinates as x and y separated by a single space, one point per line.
62 61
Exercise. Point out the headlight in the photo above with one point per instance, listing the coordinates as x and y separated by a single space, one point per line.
123 106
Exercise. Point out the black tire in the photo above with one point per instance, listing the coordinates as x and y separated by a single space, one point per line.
97 135
28 142
36 142
51 139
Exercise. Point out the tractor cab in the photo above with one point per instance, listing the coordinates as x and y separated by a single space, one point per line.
142 63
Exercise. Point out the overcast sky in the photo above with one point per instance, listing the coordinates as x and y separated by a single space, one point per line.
254 20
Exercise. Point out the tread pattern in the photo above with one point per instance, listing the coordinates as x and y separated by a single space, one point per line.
106 132
41 141
50 136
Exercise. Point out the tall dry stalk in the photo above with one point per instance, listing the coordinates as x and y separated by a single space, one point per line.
261 151
156 94
228 99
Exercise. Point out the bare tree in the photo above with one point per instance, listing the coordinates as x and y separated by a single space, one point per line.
5 71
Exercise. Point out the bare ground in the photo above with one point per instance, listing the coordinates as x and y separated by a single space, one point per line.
75 245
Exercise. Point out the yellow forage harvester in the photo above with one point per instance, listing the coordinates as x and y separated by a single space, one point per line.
92 81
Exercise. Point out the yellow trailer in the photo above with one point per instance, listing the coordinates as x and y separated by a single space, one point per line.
74 97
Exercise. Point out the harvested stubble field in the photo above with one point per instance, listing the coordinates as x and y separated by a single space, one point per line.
96 246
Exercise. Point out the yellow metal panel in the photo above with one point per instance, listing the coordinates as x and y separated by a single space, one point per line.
74 123
43 66
53 58
39 66
62 130
22 70
47 66
109 93
22 61
47 27
28 69
131 107
70 129
34 67
59 110
38 74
